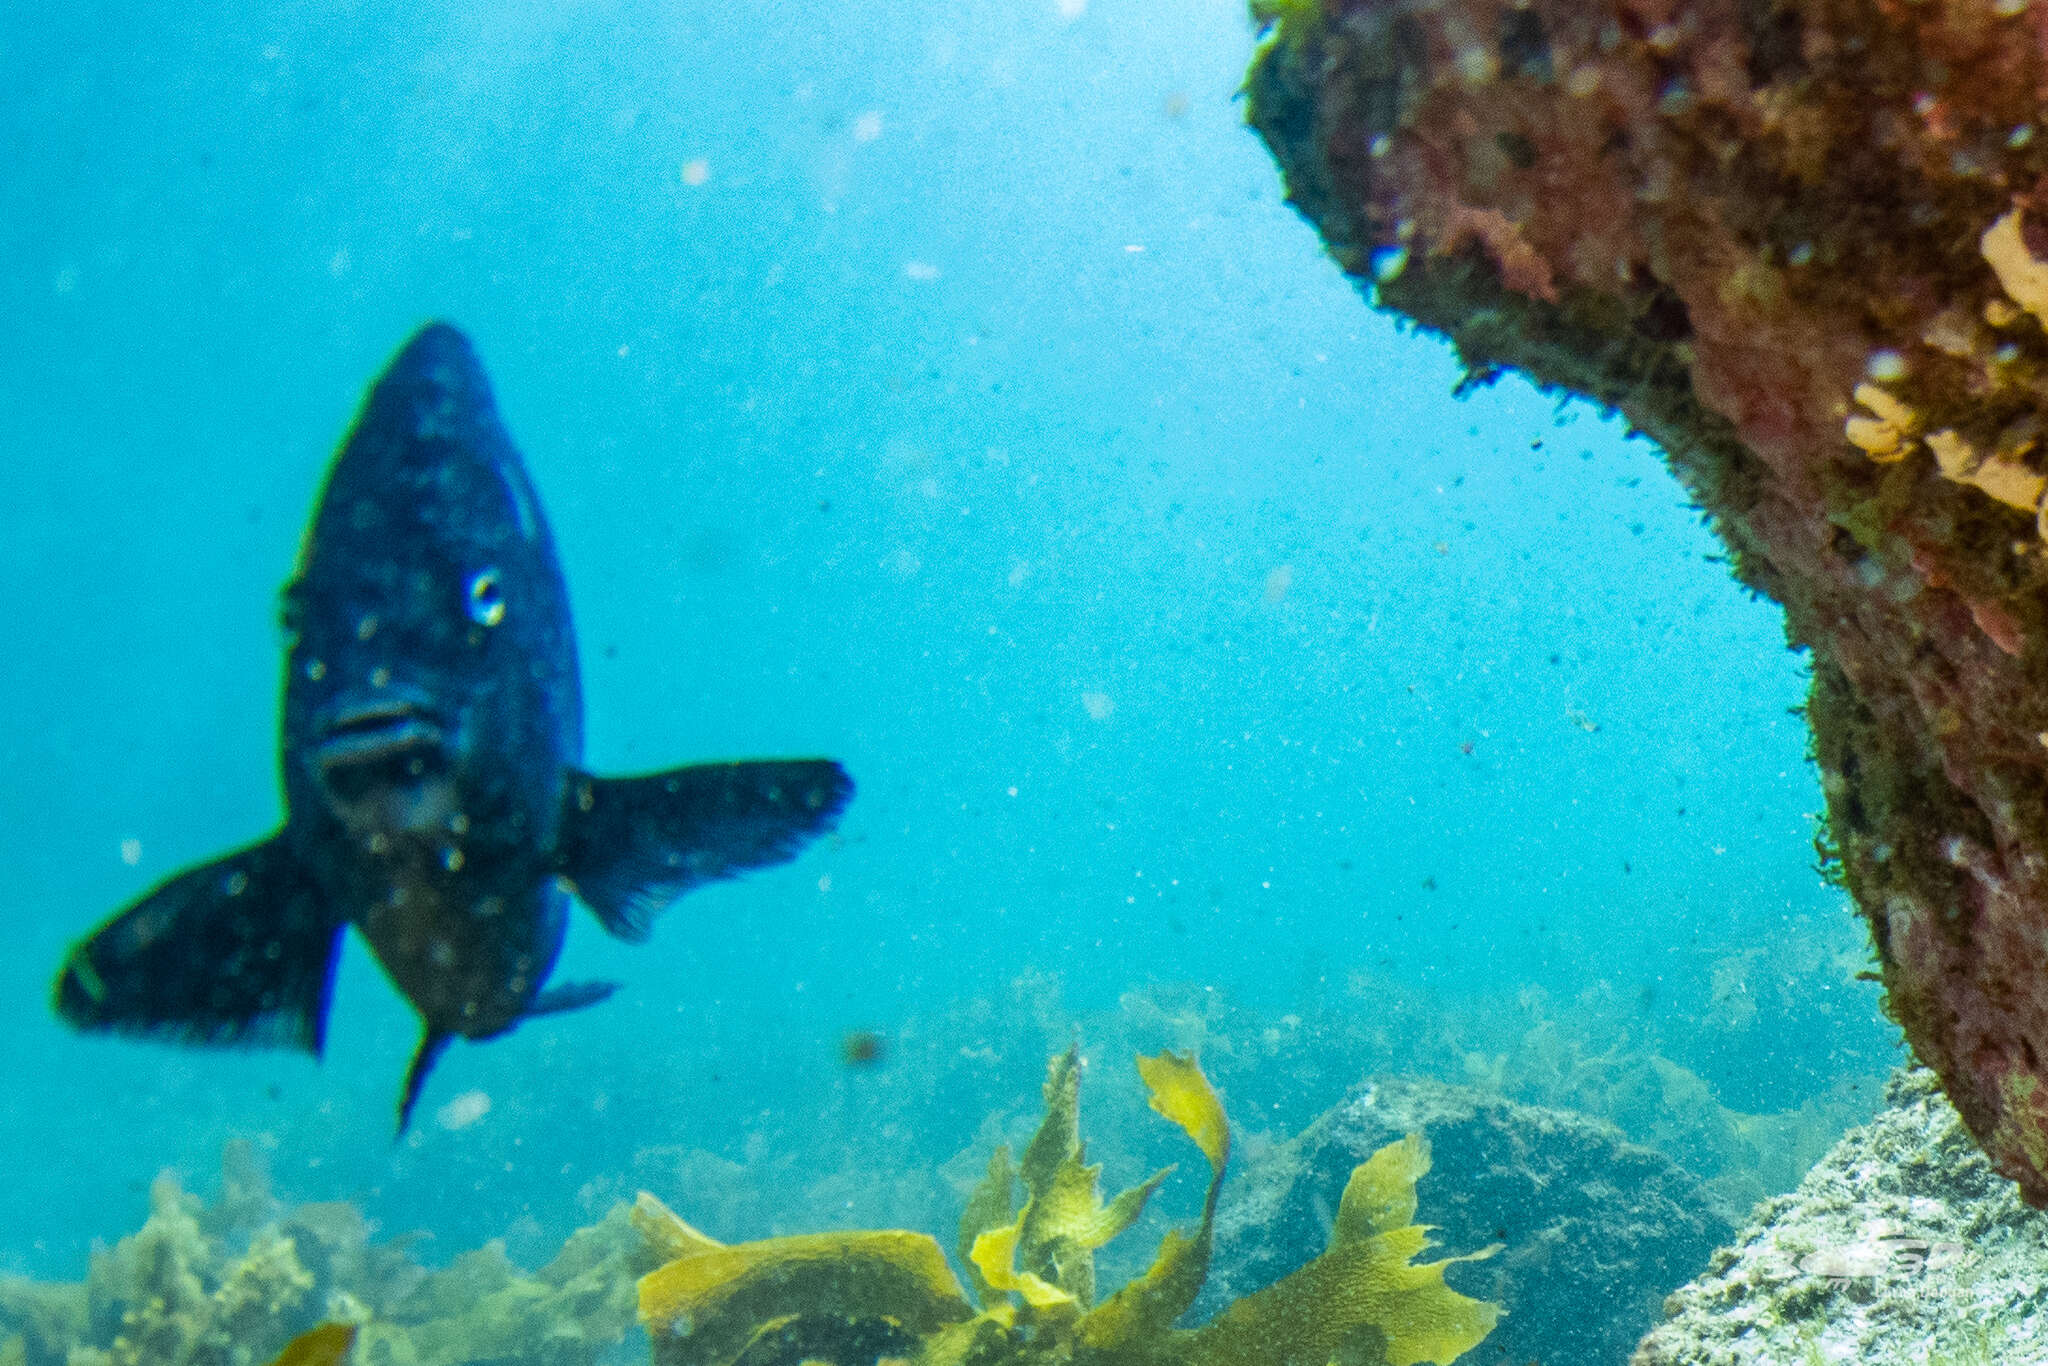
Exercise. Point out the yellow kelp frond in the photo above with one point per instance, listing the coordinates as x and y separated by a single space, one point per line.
1365 1289
1380 1196
327 1345
1183 1095
1063 1220
1058 1137
888 1296
992 1204
1146 1308
994 1256
1142 1314
668 1235
706 1308
1064 1224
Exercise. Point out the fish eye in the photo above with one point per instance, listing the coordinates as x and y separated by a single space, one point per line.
486 598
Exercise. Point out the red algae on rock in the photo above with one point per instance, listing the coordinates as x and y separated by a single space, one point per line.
1803 246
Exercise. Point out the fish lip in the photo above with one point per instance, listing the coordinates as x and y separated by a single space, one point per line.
365 730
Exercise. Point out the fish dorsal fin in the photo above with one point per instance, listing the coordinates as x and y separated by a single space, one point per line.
239 951
631 846
433 1043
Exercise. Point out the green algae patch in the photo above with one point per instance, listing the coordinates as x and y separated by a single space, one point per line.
842 1297
248 1279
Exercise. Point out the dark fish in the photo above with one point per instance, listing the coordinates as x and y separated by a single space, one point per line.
432 731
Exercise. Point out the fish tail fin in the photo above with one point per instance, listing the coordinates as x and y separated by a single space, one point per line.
630 846
433 1043
237 951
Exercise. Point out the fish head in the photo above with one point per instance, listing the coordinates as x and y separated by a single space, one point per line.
431 678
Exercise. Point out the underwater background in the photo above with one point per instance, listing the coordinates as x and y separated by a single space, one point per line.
947 389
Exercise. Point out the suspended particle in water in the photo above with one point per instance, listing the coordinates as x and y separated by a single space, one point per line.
463 1111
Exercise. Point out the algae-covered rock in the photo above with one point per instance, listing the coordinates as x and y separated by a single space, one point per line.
1596 1229
1903 1245
1804 247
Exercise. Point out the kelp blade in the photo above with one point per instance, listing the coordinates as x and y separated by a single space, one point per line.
704 1309
1369 1290
327 1345
1180 1092
1146 1308
1380 1196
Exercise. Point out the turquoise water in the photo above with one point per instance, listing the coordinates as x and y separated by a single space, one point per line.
949 391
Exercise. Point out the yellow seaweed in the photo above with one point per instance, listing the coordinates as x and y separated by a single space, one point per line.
1149 1306
1360 1292
1182 1094
991 1205
1364 1301
1380 1196
327 1345
710 1305
1047 1255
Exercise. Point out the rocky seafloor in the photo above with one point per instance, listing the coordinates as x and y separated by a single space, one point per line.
1594 1229
1902 1245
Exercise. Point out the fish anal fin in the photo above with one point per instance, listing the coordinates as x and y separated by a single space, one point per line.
631 846
568 996
433 1043
240 951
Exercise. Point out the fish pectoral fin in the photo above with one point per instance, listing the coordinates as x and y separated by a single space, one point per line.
569 996
631 846
433 1043
240 951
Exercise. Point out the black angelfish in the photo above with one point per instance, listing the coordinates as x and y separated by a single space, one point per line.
432 729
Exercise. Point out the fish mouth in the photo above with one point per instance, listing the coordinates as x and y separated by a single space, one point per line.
391 741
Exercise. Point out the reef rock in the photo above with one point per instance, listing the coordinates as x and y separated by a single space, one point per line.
1902 1246
1805 248
1597 1230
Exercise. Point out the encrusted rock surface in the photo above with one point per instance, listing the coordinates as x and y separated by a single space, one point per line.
1804 246
1596 1231
1902 1246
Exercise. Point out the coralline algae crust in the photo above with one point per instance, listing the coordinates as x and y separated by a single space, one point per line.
1901 1247
1804 247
